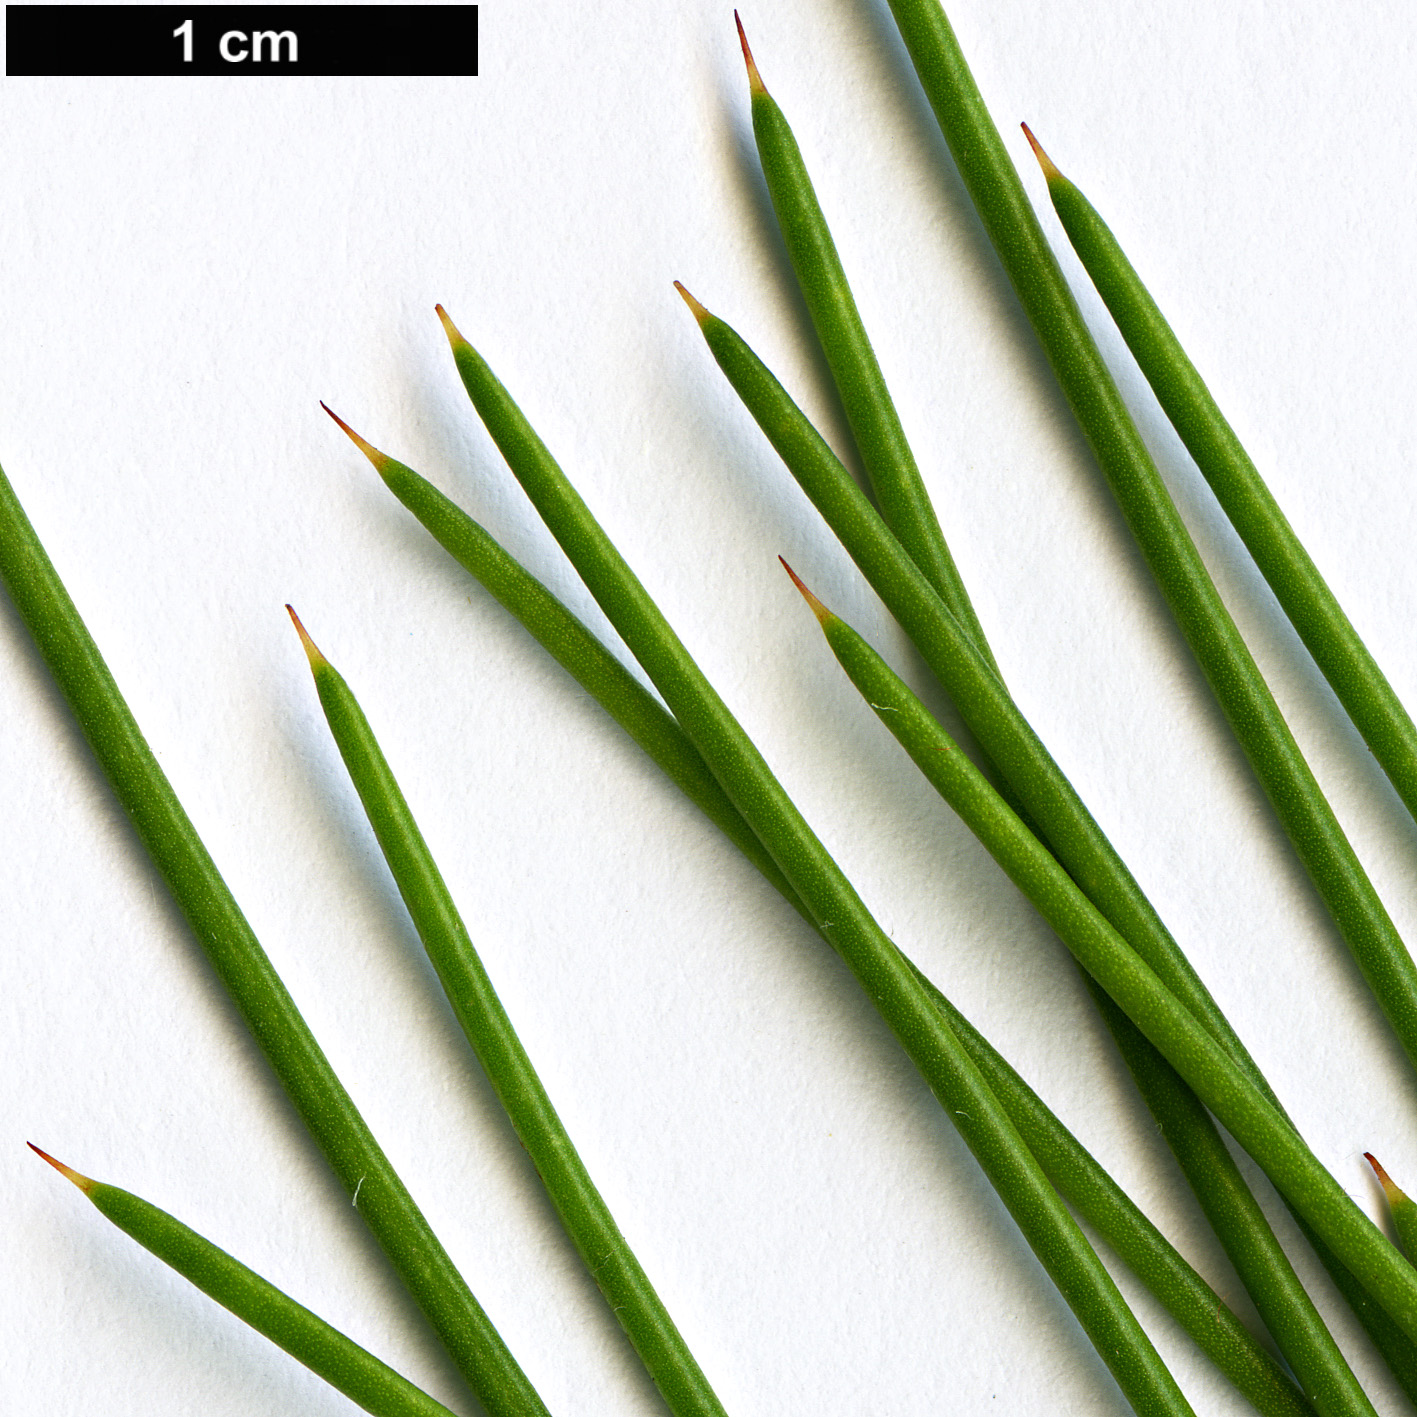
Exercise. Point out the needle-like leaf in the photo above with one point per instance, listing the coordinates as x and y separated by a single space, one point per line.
1400 1205
993 717
1078 1177
1231 671
1005 735
1170 553
835 907
1217 1079
1336 646
875 424
905 506
584 1214
1229 1205
245 969
339 1360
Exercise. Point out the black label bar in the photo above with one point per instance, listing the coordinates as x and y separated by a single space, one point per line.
98 41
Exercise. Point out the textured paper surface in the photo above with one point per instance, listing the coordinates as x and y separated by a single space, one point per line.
189 265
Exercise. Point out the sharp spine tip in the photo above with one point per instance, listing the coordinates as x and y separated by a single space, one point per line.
1050 171
700 314
380 460
68 1172
312 653
755 79
1391 1189
451 330
818 609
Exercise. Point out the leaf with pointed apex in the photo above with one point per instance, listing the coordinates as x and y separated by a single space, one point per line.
1079 1178
1401 1207
856 372
1216 1078
583 1213
246 971
380 460
327 1352
82 1182
834 904
1313 610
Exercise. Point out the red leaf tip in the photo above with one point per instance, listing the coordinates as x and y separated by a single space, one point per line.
1391 1189
82 1182
818 609
311 652
700 314
1044 161
380 460
755 79
451 330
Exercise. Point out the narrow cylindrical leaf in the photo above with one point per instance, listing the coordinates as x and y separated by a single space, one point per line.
572 645
1064 821
584 1214
1232 1210
1078 1177
875 424
339 1360
1400 1205
1170 553
1315 613
1239 1224
835 907
906 509
1217 1079
1086 1186
983 702
1231 671
244 968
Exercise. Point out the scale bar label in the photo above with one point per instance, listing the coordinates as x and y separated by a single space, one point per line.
111 41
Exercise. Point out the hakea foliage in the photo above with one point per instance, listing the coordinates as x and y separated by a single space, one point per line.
339 1360
1082 1181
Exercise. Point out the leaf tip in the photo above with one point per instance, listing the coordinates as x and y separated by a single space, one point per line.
700 314
312 653
1050 171
1391 1190
82 1182
380 460
818 609
451 330
755 79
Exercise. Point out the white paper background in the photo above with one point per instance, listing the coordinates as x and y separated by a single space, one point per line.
189 265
